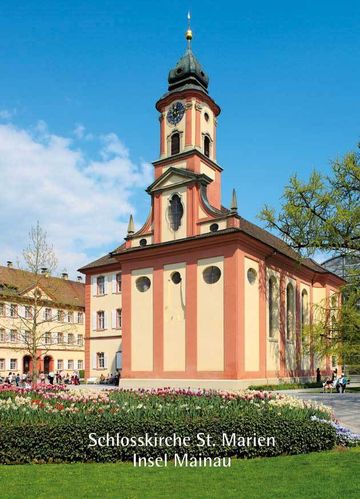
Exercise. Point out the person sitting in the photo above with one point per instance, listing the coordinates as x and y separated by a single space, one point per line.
102 379
328 385
342 383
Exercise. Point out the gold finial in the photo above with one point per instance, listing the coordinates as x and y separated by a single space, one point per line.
189 34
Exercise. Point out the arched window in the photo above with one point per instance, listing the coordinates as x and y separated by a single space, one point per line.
176 212
272 306
290 302
175 143
304 308
207 146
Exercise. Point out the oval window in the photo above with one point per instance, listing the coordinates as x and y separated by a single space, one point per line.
176 212
143 284
176 277
206 116
143 242
211 274
251 275
214 227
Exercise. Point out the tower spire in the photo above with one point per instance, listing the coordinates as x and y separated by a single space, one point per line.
131 228
188 34
233 206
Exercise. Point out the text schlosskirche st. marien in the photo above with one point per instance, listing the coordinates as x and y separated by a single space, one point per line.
182 459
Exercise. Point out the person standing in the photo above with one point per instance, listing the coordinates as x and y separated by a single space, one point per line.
318 375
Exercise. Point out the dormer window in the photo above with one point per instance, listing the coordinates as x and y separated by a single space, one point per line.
176 212
175 143
207 146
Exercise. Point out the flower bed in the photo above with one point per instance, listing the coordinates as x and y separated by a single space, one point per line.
53 425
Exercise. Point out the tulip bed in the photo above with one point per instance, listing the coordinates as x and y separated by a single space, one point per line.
53 423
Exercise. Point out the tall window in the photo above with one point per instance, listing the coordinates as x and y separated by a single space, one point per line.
2 309
13 310
100 320
272 307
2 335
27 337
47 314
60 364
70 317
13 364
60 315
80 340
60 338
290 312
80 317
118 318
100 285
28 312
13 335
71 339
207 146
100 360
304 310
80 364
47 339
70 364
176 212
175 143
118 282
2 364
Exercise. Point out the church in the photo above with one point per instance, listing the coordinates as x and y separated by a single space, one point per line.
199 296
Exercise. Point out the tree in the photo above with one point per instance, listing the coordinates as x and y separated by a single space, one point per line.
323 215
34 315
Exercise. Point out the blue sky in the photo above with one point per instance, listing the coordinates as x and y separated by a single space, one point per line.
79 81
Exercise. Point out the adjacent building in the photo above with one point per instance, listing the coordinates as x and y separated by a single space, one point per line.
198 296
58 304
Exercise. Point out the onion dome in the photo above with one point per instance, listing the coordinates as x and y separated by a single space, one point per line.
188 71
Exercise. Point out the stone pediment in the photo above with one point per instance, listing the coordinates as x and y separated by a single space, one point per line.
177 177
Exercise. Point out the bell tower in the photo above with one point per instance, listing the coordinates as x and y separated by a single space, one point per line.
188 121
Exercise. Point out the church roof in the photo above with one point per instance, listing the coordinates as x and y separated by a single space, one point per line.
246 227
188 73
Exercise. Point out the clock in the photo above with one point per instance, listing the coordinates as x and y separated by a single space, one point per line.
175 113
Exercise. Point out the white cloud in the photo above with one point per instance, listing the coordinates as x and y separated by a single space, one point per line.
5 114
83 203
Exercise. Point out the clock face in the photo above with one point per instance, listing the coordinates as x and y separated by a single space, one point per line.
175 113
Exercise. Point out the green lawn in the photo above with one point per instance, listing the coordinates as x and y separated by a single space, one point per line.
329 474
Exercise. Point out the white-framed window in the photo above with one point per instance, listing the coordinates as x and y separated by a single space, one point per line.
2 310
28 312
71 339
13 364
80 317
13 310
118 318
80 364
2 335
47 338
118 282
47 314
13 336
70 317
100 357
2 364
100 322
70 364
60 315
27 337
80 340
60 338
60 364
100 282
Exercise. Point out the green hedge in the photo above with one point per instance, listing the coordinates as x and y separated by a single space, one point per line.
64 442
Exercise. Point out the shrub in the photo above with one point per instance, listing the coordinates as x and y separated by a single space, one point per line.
55 427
